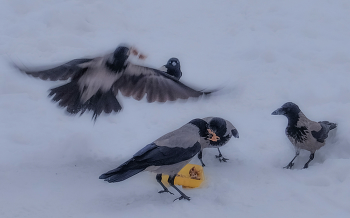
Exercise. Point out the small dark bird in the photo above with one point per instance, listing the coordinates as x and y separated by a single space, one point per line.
302 132
94 83
172 68
169 154
227 130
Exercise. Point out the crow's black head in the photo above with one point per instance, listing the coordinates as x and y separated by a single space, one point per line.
216 132
288 109
291 111
173 68
122 52
117 62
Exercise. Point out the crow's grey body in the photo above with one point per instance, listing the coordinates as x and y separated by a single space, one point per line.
96 78
166 155
95 82
166 150
229 131
302 132
306 140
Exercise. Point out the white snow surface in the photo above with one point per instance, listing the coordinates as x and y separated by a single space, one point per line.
263 54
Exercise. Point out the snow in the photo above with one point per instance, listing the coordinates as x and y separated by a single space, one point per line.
264 53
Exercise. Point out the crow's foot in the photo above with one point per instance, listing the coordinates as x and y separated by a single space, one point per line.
165 190
289 166
183 197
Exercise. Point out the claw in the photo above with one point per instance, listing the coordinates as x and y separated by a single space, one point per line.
221 158
218 156
182 197
289 166
165 191
224 159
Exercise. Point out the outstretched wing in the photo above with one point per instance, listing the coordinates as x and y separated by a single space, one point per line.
62 72
159 86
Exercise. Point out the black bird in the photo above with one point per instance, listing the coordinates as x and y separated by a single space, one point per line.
227 130
173 68
168 154
94 83
302 132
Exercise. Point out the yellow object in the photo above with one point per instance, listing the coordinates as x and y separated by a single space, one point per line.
191 176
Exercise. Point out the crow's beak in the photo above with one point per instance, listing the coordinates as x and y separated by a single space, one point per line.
279 111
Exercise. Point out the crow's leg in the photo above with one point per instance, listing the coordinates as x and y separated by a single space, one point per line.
291 164
159 180
200 155
312 155
221 158
171 182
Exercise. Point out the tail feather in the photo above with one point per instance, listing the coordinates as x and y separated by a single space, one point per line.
68 95
333 126
121 176
329 124
102 102
125 171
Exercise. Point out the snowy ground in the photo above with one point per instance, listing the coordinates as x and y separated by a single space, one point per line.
264 53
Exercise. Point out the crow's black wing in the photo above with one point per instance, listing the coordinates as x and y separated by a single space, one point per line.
151 155
62 72
137 81
322 134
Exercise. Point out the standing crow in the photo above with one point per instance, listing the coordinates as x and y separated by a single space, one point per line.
227 130
302 132
170 153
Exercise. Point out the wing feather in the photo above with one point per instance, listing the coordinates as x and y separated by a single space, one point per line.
62 72
138 81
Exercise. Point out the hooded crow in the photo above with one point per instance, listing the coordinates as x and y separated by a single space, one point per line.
168 154
172 68
94 83
302 132
224 131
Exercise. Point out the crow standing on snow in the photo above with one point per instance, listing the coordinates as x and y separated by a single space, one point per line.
302 132
95 82
170 153
227 130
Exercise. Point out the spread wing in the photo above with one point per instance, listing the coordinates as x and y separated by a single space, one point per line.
62 72
159 86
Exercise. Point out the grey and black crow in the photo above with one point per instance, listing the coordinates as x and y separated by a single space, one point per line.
170 153
173 68
227 130
302 132
94 83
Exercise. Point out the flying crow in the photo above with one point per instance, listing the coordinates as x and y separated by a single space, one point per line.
94 83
